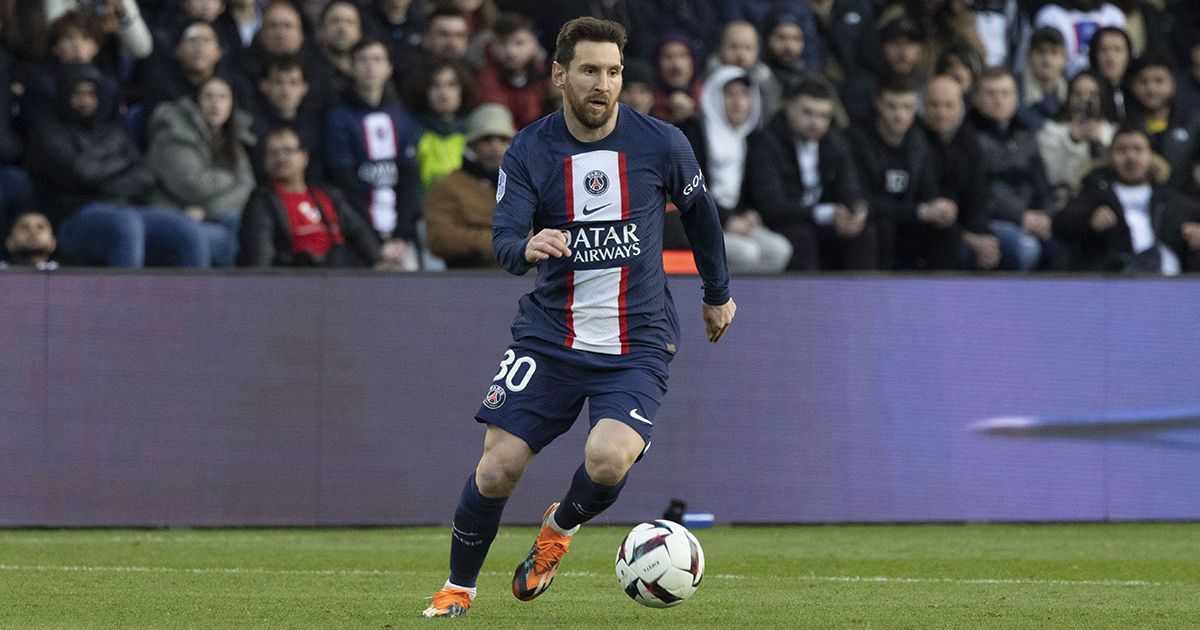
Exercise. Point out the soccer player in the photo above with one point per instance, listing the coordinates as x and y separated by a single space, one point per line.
591 180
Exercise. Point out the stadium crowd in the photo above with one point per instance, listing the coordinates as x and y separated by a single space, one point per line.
835 134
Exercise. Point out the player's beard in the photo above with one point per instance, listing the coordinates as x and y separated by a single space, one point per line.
585 114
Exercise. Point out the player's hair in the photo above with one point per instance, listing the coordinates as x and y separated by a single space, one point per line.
283 63
587 29
510 23
811 86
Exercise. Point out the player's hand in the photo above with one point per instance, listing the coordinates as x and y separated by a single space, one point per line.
718 318
547 244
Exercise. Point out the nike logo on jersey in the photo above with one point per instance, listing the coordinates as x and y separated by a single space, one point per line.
633 413
590 211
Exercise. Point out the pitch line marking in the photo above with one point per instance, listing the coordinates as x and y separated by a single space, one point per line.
879 579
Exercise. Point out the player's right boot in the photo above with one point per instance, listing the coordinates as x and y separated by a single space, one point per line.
534 575
449 602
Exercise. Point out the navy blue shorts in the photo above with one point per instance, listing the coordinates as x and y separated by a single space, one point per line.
540 389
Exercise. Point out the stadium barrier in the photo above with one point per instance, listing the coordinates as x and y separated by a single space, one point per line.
259 399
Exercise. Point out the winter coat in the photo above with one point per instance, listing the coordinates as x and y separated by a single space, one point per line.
458 216
181 156
265 234
76 161
1016 176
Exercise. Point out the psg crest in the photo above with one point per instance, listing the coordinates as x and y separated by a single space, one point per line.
495 397
596 182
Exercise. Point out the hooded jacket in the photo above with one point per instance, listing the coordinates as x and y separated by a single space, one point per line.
725 160
76 160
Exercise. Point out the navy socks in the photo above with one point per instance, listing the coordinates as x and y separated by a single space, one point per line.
475 524
585 499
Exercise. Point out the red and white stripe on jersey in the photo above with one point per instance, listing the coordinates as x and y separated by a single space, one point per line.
597 189
596 310
379 140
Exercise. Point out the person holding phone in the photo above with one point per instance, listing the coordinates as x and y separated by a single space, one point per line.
1074 143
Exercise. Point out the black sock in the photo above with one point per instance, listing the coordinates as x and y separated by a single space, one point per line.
585 499
476 522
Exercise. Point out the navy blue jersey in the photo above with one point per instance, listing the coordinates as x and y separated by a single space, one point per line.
610 296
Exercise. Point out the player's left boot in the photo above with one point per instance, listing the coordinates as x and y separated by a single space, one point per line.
534 575
449 602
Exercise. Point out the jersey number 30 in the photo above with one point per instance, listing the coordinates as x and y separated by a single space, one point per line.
510 366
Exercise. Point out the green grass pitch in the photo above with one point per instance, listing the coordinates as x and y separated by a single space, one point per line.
908 576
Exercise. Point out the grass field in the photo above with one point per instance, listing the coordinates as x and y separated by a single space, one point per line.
930 576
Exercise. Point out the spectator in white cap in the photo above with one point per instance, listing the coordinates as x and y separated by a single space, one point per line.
458 207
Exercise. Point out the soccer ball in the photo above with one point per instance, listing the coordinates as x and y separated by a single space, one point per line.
660 564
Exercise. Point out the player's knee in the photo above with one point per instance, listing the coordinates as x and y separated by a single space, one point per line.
496 480
607 466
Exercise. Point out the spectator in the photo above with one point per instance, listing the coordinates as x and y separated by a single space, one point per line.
169 23
962 63
764 13
458 207
447 33
1110 56
282 34
784 60
802 179
1174 132
198 155
196 59
1123 220
372 145
731 108
339 28
1043 86
1001 25
1078 21
283 102
1019 196
678 89
841 25
16 190
514 71
397 23
945 23
956 159
1072 143
31 242
243 19
1146 23
441 95
902 44
637 85
480 14
1187 78
917 227
89 178
290 222
73 39
120 18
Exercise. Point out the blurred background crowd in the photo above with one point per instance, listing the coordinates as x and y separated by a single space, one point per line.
834 134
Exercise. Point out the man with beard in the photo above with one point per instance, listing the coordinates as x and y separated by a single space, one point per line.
31 242
599 326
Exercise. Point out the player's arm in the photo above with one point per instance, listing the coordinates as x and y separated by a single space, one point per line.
516 201
702 222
